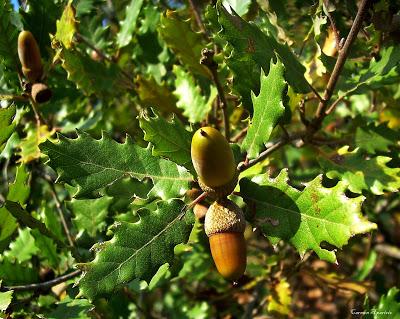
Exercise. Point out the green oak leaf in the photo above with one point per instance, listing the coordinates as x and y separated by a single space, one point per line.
239 6
47 249
90 214
89 75
170 139
14 273
93 164
388 306
10 146
124 190
23 248
268 109
305 218
137 250
155 95
71 309
378 138
84 7
253 50
47 12
128 25
379 73
29 146
51 220
183 41
26 219
10 25
150 20
194 104
5 299
7 127
360 172
66 26
18 191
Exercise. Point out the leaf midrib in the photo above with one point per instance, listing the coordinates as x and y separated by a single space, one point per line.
131 173
137 251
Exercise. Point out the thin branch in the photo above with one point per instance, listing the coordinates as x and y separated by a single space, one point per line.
343 53
61 214
59 209
326 141
239 135
334 104
198 199
197 16
134 300
302 111
83 39
207 60
43 285
277 145
317 95
285 132
38 116
25 219
15 98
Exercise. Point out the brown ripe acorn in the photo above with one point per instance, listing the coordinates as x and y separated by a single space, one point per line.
40 93
224 225
29 55
213 161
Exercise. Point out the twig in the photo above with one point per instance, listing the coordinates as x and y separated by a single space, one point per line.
43 285
207 60
333 25
302 111
83 39
198 199
343 53
334 104
5 174
197 16
15 98
285 132
61 213
59 209
239 135
38 116
133 299
317 95
25 219
245 165
324 141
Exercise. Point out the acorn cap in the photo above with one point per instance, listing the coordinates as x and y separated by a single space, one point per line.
218 192
224 216
40 93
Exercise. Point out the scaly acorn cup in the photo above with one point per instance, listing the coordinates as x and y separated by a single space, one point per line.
40 93
225 225
214 163
29 55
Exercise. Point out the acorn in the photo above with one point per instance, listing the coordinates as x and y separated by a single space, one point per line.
29 55
225 225
40 93
214 163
